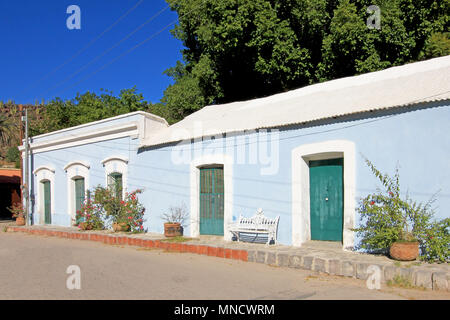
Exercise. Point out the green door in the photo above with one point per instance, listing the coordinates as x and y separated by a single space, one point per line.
326 199
47 203
211 201
79 193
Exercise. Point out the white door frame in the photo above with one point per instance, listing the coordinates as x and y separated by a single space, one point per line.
301 229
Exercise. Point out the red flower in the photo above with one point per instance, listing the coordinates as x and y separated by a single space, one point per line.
372 203
129 218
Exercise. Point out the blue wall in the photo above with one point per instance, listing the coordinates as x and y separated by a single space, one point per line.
417 140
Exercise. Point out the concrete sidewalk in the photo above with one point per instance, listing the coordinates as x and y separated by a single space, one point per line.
323 257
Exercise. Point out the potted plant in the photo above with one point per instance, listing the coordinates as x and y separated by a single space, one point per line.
406 248
175 221
391 224
18 212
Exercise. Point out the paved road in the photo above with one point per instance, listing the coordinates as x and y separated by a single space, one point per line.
34 267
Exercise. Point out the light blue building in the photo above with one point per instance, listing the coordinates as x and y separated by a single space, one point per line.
297 155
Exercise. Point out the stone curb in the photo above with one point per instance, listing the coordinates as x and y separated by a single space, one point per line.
420 277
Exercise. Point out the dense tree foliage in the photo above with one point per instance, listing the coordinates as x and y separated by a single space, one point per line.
242 49
59 114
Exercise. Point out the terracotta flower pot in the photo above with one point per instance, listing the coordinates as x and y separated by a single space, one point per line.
20 221
404 251
85 226
173 230
120 227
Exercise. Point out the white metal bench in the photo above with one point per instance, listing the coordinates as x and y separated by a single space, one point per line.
258 224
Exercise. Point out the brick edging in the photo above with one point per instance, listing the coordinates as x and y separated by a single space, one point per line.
430 279
235 254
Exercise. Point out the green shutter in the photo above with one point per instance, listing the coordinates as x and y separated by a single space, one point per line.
211 201
326 199
47 203
79 193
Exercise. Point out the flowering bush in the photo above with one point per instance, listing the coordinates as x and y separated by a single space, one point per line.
90 214
132 212
387 218
435 242
107 207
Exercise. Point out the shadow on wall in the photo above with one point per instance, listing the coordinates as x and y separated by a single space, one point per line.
9 191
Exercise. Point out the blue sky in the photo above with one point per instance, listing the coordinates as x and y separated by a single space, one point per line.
35 41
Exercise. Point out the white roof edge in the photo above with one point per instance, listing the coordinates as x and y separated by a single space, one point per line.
395 87
142 113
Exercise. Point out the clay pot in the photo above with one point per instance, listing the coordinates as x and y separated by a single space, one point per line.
85 226
173 230
404 251
117 227
20 221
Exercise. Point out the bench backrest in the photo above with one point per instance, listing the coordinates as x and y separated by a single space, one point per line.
258 221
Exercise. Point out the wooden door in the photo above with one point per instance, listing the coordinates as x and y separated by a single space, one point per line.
211 201
326 199
47 203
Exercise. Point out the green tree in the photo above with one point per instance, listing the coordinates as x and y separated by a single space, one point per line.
6 130
243 49
59 114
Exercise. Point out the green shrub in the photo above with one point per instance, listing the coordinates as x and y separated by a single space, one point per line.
435 242
13 155
107 207
387 218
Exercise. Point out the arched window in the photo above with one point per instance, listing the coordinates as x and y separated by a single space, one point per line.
116 172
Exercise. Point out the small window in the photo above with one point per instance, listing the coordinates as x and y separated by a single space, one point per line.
115 183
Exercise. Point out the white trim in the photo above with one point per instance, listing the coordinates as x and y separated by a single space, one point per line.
44 173
49 168
142 113
76 163
97 135
117 164
74 170
301 155
196 164
119 158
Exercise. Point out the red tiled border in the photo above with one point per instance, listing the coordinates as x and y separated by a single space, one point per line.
130 241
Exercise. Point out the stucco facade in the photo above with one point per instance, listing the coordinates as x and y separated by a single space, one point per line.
262 168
